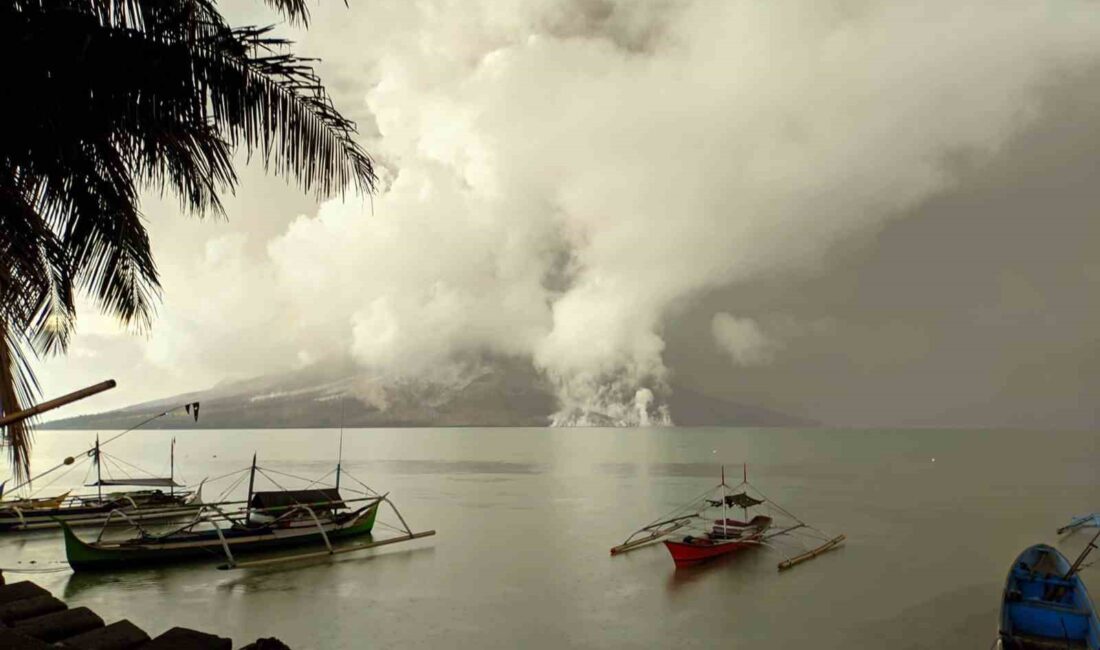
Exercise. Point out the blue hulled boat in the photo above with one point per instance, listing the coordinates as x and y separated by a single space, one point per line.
1046 605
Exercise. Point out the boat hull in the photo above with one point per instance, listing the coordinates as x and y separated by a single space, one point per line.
142 509
95 517
686 554
1040 608
35 504
84 556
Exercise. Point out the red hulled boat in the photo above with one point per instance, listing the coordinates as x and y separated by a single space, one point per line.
704 529
723 538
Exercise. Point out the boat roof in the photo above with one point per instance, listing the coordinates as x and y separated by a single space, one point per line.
742 500
139 482
326 498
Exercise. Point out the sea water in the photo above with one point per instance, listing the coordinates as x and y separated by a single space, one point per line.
525 519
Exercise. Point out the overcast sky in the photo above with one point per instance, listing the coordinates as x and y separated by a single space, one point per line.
868 213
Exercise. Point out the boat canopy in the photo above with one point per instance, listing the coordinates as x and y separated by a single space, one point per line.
322 499
136 482
740 500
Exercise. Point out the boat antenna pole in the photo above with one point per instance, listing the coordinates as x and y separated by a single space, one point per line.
98 471
251 483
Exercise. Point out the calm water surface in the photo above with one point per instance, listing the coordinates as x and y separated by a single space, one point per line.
525 518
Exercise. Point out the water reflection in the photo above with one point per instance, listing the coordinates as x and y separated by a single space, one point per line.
741 567
83 585
618 469
449 467
282 577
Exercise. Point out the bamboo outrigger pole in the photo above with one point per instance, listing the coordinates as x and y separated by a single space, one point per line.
19 416
812 553
326 553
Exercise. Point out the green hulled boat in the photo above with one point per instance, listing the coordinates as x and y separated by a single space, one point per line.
266 521
315 520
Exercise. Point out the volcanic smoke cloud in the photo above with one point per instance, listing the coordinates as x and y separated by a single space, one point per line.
560 177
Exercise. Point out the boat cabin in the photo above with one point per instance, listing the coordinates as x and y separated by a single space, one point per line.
323 501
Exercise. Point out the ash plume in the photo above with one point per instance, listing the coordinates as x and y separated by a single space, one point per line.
563 177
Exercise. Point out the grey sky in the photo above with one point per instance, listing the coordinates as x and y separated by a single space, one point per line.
864 213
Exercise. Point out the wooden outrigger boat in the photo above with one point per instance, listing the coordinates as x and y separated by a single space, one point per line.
266 521
142 505
160 500
1045 605
711 531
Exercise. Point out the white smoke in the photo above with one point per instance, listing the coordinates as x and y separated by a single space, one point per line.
563 175
743 339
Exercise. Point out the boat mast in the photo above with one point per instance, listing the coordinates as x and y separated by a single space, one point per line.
340 452
251 483
339 458
725 506
172 468
745 479
98 471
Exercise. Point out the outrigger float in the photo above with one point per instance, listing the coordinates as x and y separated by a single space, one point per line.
703 528
266 521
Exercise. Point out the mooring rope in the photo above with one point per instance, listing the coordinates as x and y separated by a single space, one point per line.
117 460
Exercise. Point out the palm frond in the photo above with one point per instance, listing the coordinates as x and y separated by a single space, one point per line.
122 96
111 256
296 11
18 388
34 286
241 83
273 103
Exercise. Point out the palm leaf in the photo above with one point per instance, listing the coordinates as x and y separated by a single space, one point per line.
17 388
121 96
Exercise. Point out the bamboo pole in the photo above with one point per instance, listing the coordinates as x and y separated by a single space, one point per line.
321 554
655 536
1081 558
74 396
811 554
655 531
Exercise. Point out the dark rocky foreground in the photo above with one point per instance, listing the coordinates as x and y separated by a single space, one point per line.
32 619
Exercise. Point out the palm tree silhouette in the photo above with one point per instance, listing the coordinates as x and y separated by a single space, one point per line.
106 98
